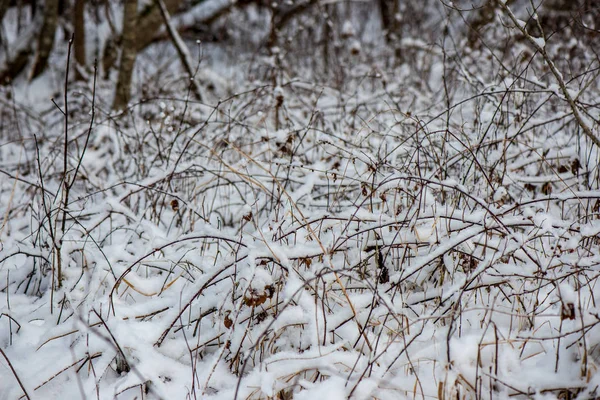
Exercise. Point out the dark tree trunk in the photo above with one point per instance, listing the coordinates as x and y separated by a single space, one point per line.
388 9
3 9
79 32
45 40
148 24
482 17
390 25
128 55
15 59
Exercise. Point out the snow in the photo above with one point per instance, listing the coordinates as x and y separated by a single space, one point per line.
348 29
539 42
334 389
385 225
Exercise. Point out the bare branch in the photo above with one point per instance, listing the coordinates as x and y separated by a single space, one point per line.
539 45
182 50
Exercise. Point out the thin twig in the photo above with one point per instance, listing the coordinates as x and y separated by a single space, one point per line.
557 75
15 374
182 50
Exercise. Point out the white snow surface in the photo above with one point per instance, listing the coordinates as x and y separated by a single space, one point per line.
363 241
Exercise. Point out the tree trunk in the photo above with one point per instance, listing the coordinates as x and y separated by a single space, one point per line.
45 40
79 32
182 50
3 9
149 22
481 19
388 10
128 55
15 65
556 14
14 59
390 25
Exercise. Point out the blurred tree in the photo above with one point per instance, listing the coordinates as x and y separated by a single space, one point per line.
391 25
149 22
128 55
45 40
557 14
79 33
3 8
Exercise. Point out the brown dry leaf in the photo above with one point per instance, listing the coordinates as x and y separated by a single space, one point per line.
228 322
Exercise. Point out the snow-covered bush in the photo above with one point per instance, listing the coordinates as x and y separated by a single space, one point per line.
422 230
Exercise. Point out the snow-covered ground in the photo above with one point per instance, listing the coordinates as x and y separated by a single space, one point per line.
422 230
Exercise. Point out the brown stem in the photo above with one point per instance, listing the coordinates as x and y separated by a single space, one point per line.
15 373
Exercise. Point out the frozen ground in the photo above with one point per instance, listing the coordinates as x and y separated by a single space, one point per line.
426 230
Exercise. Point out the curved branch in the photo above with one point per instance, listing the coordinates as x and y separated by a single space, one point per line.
539 45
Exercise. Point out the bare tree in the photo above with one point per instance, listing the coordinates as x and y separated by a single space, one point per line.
390 24
182 50
388 9
149 21
45 40
128 55
79 32
14 60
3 8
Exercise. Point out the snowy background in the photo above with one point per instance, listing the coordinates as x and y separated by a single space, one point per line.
347 212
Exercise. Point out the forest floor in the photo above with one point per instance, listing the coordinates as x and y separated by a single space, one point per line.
422 230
